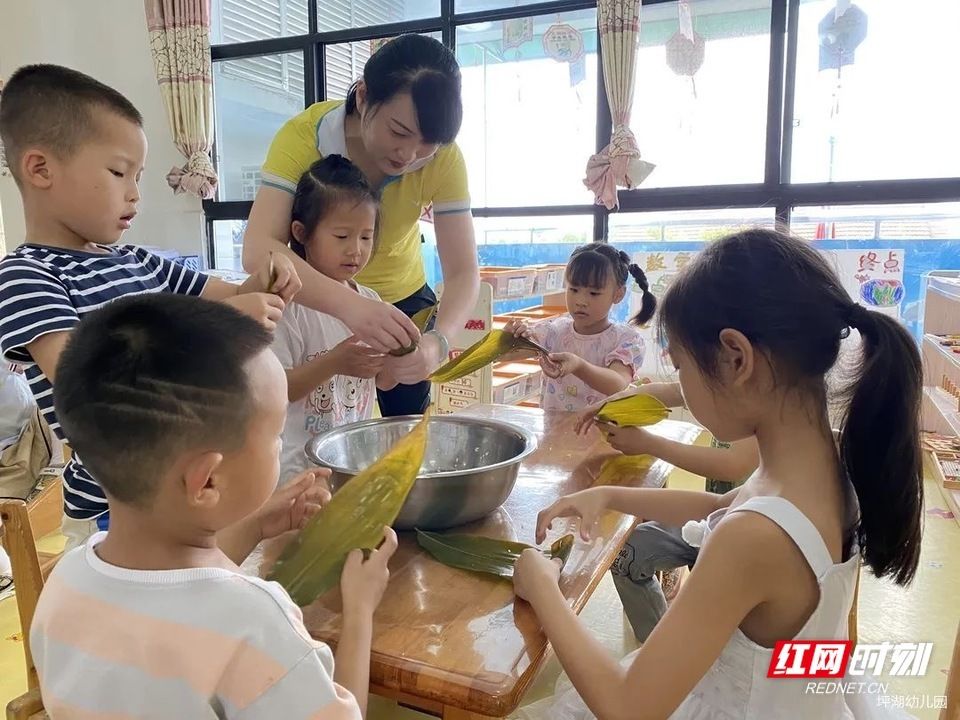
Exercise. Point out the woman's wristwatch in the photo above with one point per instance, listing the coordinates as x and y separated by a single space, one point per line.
444 345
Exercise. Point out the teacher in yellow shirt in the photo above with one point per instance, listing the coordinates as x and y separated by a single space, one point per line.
398 125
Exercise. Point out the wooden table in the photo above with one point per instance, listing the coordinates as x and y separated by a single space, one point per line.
454 643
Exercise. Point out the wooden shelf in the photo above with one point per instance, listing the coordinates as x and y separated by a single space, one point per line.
940 412
948 287
934 340
953 501
950 496
939 409
938 361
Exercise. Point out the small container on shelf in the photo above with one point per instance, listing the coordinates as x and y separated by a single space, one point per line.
509 282
521 367
507 388
529 371
549 279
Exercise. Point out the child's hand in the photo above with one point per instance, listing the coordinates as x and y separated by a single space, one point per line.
266 309
586 505
558 365
291 506
629 440
278 276
534 575
357 359
517 327
363 582
417 365
588 417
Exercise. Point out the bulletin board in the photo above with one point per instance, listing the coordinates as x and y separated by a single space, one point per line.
872 278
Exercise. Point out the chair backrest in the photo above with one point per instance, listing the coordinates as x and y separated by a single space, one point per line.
19 543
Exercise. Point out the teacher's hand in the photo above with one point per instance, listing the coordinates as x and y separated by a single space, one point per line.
379 324
417 365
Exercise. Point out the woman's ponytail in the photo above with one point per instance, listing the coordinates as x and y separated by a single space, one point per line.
880 444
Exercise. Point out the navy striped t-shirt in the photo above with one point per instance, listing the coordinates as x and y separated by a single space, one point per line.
46 290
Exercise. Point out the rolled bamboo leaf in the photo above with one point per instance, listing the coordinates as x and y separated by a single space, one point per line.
561 548
477 553
494 345
633 411
421 319
354 518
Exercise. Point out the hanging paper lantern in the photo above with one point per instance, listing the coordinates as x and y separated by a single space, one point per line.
841 31
685 56
563 43
378 43
516 32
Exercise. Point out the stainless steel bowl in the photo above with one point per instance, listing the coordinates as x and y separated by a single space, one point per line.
469 469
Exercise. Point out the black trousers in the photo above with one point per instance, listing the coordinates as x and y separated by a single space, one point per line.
409 399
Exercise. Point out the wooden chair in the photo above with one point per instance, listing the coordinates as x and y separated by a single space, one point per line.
28 577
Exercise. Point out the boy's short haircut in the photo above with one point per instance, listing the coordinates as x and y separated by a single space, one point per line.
53 107
149 377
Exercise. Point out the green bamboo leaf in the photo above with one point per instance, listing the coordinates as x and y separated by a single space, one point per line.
477 553
491 347
561 548
421 319
354 518
633 411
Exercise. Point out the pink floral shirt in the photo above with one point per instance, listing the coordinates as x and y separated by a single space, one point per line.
617 343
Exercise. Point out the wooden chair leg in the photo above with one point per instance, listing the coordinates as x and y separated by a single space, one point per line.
25 707
28 580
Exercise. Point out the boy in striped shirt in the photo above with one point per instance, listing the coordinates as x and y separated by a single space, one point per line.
177 406
76 150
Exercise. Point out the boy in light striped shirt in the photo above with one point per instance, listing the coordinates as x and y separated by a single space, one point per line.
178 406
76 150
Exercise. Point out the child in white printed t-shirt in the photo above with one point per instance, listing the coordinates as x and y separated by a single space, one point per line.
331 376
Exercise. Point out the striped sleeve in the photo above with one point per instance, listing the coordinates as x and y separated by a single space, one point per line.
33 303
305 692
450 193
178 278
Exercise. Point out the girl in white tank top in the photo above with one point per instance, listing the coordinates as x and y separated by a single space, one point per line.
754 323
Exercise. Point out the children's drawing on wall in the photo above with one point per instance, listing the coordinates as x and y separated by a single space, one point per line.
881 293
661 269
872 277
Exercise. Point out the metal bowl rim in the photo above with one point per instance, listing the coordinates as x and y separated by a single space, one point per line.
529 438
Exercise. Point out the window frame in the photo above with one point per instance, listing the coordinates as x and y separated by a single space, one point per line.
775 190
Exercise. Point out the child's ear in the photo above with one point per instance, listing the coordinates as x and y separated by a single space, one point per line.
200 480
736 357
299 231
620 293
35 169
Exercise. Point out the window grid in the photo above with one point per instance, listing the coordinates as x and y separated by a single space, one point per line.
329 56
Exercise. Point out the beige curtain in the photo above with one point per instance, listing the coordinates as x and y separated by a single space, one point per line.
180 45
619 163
